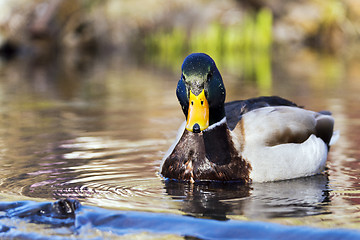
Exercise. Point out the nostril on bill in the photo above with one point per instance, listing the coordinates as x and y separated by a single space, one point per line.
196 128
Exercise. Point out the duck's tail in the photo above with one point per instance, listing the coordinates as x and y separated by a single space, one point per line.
325 128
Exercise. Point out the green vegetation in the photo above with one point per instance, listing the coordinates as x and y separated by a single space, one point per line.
243 48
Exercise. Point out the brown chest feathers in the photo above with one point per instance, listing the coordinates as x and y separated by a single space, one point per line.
209 155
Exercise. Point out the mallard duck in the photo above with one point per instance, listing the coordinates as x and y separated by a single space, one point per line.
255 140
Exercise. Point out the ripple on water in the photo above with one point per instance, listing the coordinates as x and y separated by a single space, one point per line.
142 194
121 174
113 173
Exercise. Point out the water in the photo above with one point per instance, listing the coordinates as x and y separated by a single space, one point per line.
96 131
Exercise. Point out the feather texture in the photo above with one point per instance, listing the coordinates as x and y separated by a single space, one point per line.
285 142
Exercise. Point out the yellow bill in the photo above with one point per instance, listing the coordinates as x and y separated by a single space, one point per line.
198 113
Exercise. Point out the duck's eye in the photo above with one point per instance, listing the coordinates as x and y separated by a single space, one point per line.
209 76
202 102
192 102
183 77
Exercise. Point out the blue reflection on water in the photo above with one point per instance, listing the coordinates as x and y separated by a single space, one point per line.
68 218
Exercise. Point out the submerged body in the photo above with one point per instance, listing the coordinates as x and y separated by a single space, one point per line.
260 139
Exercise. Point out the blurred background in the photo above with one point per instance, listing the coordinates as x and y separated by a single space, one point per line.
254 41
230 30
242 36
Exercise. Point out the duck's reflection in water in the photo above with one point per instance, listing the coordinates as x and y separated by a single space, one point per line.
292 198
209 199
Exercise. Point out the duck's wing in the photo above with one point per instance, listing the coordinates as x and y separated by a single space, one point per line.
283 142
234 110
271 126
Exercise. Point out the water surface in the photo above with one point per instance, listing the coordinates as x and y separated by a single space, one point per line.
97 131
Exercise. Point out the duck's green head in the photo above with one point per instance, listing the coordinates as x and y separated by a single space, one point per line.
201 92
